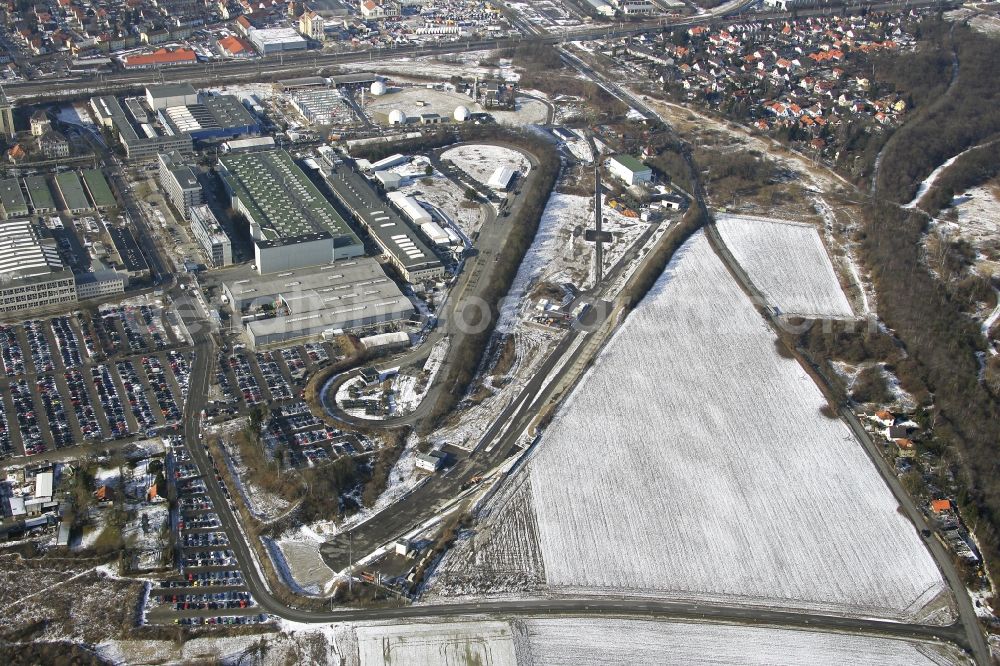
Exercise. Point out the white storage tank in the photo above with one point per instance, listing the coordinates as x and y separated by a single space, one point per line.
378 88
461 114
396 117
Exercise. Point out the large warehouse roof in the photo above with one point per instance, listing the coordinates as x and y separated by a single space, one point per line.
391 231
342 295
280 197
12 198
22 254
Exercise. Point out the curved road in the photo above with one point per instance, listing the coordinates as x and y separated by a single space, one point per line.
581 606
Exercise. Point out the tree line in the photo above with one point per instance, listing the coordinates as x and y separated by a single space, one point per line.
941 345
966 114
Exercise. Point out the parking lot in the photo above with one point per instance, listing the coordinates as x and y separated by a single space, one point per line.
110 375
209 586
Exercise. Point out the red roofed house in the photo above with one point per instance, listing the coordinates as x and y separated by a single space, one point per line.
17 153
236 47
941 505
161 58
906 448
243 25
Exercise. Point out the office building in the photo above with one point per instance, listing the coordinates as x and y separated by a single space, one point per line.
211 237
179 183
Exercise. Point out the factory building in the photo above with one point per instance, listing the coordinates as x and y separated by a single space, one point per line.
172 117
276 40
211 237
165 96
629 170
31 273
12 198
409 207
291 222
399 242
343 296
179 183
213 117
145 146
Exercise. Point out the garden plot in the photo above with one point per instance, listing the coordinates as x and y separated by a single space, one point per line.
627 642
719 477
481 160
444 644
788 263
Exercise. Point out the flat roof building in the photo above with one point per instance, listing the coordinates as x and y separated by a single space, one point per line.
31 273
275 40
291 222
344 295
98 189
397 239
171 94
40 195
99 284
12 198
71 192
211 237
629 170
179 183
128 250
213 117
109 112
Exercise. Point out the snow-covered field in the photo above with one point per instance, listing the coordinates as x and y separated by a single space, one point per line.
979 214
788 263
481 160
694 462
538 642
465 64
615 642
302 562
452 644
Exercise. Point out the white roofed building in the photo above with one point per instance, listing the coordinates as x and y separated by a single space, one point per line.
501 178
31 273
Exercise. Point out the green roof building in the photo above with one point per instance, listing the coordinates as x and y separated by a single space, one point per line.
12 199
293 225
98 188
71 190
